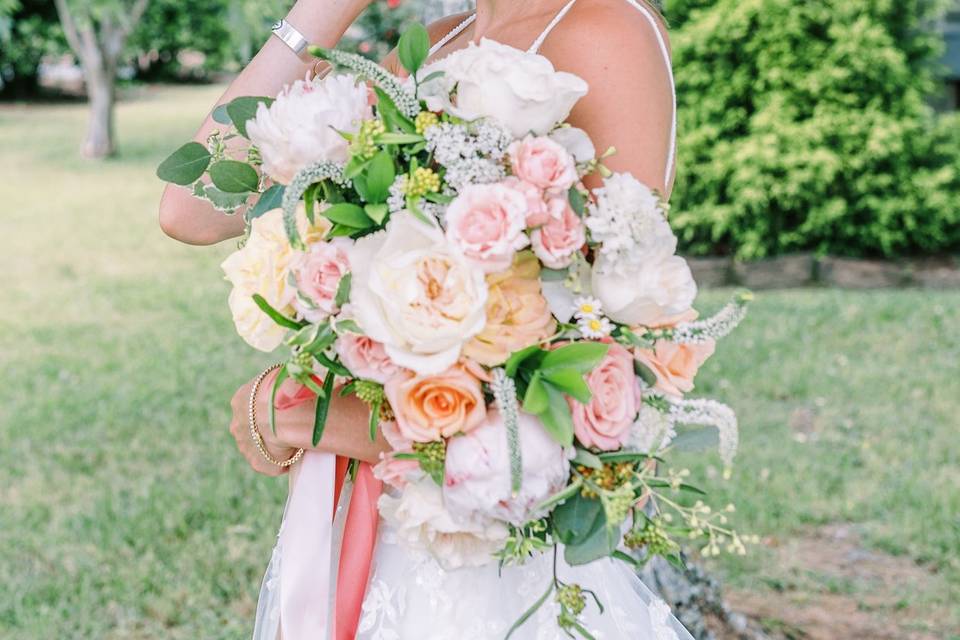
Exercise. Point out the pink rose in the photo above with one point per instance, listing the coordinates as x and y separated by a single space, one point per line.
477 479
556 242
429 408
676 365
605 421
537 211
544 164
318 273
486 222
396 472
365 357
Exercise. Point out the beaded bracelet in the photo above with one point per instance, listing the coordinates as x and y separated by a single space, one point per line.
255 432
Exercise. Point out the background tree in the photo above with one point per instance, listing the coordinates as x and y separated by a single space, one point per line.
29 30
97 32
806 126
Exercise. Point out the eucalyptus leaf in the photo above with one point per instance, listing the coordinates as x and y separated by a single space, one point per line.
577 201
243 109
600 544
185 165
269 200
578 518
586 459
234 176
343 289
696 439
223 201
220 115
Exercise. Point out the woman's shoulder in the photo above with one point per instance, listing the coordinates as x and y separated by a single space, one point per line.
596 29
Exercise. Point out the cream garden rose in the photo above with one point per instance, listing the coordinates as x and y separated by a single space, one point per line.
642 294
416 294
263 267
521 91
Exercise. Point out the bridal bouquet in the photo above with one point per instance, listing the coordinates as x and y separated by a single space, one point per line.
525 344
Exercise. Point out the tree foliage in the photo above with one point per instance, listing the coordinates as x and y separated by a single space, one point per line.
29 30
805 126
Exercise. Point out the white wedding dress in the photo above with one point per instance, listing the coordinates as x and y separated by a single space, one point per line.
410 597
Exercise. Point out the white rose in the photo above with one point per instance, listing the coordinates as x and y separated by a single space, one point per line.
642 294
576 142
422 522
417 294
301 127
520 90
478 470
262 267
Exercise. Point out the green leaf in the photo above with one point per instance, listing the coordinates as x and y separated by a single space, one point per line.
275 315
377 212
696 439
418 213
323 408
571 382
518 358
645 373
341 230
391 115
375 418
282 374
306 335
343 289
561 496
578 518
626 558
532 610
355 167
185 165
586 459
577 201
553 275
414 47
535 400
243 109
234 176
380 176
581 356
220 114
600 544
432 76
556 418
350 215
223 201
269 200
399 138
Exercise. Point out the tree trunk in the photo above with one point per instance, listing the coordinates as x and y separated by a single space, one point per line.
101 94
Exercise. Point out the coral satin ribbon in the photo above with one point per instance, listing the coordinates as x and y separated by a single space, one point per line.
308 609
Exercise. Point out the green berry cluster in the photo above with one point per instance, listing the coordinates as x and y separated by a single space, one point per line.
433 456
572 599
304 359
425 120
611 476
652 536
422 182
369 391
618 503
365 140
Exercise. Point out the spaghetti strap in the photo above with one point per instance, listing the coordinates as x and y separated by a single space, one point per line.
457 30
535 47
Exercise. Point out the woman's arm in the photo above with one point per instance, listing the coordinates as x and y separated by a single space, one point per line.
630 103
346 431
323 22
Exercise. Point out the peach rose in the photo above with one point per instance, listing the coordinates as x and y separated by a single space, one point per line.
517 313
556 242
676 365
605 421
318 273
365 357
537 211
486 222
543 163
429 408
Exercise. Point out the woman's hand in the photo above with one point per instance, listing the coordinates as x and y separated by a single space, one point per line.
240 429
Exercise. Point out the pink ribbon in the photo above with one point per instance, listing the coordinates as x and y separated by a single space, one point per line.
310 607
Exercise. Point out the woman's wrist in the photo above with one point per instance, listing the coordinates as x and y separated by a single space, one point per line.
323 22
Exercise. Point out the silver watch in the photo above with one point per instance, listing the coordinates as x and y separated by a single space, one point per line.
292 38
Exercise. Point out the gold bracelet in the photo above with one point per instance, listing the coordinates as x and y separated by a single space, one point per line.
255 432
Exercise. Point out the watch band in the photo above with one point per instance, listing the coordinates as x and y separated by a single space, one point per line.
292 38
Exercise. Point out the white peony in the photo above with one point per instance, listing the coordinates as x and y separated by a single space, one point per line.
643 294
629 221
478 470
262 266
417 294
520 90
421 522
300 127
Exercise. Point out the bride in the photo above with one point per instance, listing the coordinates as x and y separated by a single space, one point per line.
620 48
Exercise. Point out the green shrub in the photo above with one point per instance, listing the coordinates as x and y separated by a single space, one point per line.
805 126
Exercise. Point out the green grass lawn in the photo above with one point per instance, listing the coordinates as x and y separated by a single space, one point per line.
126 513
